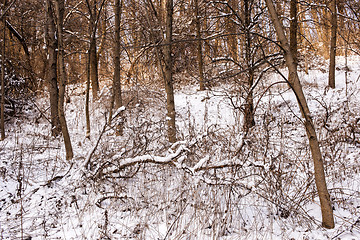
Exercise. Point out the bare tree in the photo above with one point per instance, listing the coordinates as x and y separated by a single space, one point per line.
51 43
167 11
60 8
117 51
94 19
333 43
294 83
249 105
117 96
87 97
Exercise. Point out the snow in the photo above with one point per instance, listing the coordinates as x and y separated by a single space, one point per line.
215 183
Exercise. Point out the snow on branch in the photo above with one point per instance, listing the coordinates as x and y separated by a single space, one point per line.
128 162
176 156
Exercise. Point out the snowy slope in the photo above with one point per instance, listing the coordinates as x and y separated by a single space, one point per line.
216 183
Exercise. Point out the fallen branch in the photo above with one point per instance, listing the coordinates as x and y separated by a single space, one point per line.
175 158
128 162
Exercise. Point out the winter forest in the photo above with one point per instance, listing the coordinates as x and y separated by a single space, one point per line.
180 119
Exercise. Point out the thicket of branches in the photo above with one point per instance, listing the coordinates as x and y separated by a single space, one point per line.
121 52
222 36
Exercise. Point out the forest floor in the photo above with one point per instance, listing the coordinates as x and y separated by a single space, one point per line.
217 182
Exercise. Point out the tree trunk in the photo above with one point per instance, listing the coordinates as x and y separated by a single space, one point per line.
94 75
199 46
294 83
333 43
117 67
62 80
117 81
87 97
168 65
293 32
52 71
249 106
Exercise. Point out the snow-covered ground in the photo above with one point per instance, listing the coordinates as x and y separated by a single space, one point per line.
216 183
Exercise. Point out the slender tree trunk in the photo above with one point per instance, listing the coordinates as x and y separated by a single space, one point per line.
294 82
199 46
293 32
87 97
94 75
332 43
52 71
2 111
168 65
117 50
249 106
60 8
117 94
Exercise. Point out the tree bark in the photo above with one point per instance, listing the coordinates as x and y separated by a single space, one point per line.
249 106
117 67
168 65
117 94
52 70
94 75
294 83
60 8
199 53
332 43
87 98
